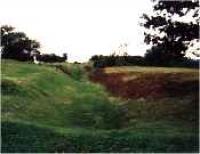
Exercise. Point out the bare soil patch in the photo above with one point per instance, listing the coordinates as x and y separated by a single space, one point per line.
147 85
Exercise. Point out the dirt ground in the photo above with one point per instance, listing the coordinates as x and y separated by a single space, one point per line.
147 85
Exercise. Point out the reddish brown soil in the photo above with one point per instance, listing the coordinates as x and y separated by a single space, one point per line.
147 85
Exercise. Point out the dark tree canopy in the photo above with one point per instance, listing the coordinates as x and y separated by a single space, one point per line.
16 45
171 37
52 58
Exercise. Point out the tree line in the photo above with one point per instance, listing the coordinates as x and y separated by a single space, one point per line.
18 46
100 61
168 36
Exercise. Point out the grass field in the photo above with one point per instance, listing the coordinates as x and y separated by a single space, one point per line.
48 109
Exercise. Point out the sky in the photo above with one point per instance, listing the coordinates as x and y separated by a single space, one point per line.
81 28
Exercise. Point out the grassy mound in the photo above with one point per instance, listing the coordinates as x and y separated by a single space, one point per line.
48 109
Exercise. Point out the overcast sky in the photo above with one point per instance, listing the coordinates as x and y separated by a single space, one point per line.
81 28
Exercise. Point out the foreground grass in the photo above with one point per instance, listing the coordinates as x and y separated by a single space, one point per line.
45 110
30 138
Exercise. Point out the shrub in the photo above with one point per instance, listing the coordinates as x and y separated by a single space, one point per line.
112 60
51 58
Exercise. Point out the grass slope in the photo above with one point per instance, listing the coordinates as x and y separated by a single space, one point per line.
45 110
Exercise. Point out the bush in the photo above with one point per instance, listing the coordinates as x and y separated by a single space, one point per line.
104 61
51 58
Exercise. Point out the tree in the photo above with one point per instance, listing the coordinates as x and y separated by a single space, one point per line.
16 45
168 33
65 56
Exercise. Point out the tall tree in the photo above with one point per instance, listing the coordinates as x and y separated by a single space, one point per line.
170 30
16 45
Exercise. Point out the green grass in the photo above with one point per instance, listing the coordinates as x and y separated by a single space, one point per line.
42 92
45 110
31 138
